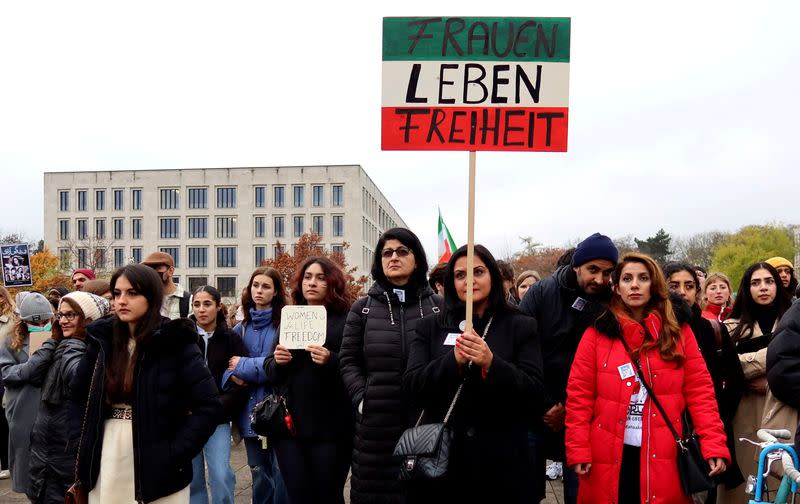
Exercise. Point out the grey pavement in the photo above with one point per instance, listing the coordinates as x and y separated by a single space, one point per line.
244 481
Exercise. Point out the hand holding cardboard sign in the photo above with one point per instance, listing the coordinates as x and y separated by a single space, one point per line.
319 354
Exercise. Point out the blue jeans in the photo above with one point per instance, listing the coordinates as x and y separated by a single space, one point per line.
536 445
268 487
217 454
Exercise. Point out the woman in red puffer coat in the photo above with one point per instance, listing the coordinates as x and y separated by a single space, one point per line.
616 439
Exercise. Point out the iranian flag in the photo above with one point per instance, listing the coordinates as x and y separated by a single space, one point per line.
446 244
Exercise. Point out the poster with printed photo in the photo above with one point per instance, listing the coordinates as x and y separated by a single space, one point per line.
16 261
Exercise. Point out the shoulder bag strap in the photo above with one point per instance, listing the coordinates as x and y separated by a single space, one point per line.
639 372
86 413
460 385
717 334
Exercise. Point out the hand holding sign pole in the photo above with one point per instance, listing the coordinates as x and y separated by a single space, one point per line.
470 84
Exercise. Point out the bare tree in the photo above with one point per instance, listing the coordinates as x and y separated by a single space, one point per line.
697 249
93 253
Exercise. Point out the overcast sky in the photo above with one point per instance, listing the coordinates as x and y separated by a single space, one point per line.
682 116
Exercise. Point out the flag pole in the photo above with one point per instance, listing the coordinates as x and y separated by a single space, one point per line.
470 240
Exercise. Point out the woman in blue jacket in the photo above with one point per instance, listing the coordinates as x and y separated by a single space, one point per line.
262 302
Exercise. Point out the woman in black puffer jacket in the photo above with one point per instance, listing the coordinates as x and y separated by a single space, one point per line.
52 462
373 359
147 396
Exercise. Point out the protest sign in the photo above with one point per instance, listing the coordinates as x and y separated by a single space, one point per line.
302 326
36 339
16 265
475 83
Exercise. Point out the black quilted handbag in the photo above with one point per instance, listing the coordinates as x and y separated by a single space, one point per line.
424 450
271 417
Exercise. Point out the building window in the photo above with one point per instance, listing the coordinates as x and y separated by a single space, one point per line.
136 254
260 255
226 286
169 228
136 229
298 226
174 252
100 200
278 226
100 229
198 197
83 232
63 201
337 195
260 226
119 229
118 199
81 201
198 257
278 196
99 257
316 224
119 257
277 250
298 195
64 259
226 227
317 195
226 257
197 282
83 256
63 229
136 199
261 196
198 227
176 279
337 249
226 197
338 225
170 199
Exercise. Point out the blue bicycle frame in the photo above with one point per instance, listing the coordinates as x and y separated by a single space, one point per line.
762 464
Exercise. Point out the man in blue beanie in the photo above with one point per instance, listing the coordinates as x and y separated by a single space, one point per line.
564 305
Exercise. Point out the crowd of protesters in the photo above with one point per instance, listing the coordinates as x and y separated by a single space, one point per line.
133 389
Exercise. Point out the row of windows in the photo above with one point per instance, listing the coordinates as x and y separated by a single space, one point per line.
169 198
375 210
100 199
226 256
226 227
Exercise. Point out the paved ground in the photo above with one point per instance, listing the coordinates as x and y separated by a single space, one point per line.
243 482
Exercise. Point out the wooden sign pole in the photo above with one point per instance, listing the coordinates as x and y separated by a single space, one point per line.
470 239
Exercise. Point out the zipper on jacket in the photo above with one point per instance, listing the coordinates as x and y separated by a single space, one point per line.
137 452
403 342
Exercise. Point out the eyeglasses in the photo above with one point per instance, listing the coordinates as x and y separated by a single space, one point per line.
69 316
387 253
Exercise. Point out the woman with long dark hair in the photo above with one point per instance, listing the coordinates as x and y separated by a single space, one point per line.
321 446
218 344
52 465
145 398
617 439
7 323
500 365
262 301
760 303
719 353
373 358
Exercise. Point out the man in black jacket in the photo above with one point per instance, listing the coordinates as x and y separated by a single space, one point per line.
564 305
783 363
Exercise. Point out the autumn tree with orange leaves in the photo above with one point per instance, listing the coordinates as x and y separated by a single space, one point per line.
309 246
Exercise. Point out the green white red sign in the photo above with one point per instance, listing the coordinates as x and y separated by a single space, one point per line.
469 83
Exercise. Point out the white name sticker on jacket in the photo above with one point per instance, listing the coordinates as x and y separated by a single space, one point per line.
626 371
579 304
401 295
451 338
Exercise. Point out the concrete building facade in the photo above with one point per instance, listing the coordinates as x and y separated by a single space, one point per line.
218 223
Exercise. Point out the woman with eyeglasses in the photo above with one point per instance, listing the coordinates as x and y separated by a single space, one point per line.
22 372
52 466
322 442
373 359
143 399
499 363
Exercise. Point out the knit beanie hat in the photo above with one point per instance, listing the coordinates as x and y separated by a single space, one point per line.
35 308
93 307
85 272
594 247
776 262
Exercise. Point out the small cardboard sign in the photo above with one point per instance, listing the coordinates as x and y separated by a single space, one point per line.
302 326
36 339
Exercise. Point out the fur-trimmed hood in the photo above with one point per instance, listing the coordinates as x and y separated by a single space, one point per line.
608 324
